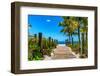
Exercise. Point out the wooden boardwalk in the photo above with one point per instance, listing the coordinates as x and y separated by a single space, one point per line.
61 52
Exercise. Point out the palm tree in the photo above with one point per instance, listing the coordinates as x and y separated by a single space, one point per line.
75 26
84 30
79 20
69 25
65 26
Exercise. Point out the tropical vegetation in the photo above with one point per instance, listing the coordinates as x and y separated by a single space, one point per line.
76 26
39 46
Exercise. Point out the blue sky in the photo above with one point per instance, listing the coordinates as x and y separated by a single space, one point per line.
48 25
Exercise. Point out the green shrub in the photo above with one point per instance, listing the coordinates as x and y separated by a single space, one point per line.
36 51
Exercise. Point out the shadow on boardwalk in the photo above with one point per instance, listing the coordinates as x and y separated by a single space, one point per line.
61 52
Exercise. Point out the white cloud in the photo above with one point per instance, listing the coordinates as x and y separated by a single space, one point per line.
48 20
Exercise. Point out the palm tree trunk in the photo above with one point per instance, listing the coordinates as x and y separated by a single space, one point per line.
86 36
79 38
72 41
69 38
86 44
83 43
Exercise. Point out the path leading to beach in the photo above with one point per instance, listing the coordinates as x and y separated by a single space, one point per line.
61 52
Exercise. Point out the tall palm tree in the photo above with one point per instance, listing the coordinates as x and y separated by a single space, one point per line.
79 29
84 30
66 29
69 25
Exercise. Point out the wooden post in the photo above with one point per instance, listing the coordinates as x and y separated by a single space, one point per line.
49 42
35 37
40 43
40 40
52 42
